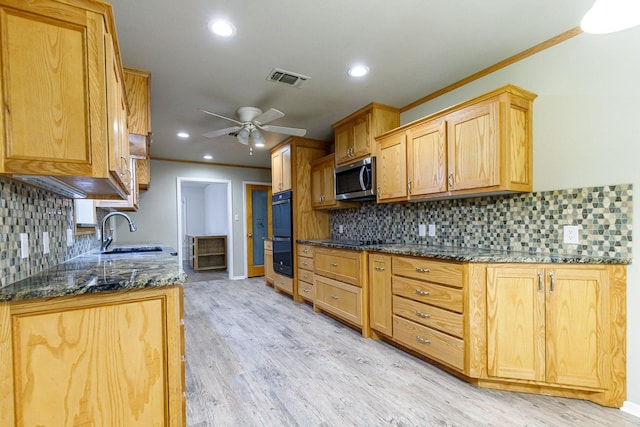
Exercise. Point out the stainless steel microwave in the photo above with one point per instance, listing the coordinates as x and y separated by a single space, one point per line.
357 180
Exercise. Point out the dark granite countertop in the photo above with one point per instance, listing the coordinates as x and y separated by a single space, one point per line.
96 272
467 254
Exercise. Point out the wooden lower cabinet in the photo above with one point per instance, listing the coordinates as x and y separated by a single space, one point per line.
305 275
558 325
269 274
556 329
283 284
114 358
340 279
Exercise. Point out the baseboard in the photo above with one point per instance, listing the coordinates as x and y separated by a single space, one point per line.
631 408
238 277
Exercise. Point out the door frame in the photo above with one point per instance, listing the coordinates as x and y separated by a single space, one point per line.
179 181
245 239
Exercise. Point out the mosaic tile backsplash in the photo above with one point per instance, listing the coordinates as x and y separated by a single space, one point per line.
531 222
26 209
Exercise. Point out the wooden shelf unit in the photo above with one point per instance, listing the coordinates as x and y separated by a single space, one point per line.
207 252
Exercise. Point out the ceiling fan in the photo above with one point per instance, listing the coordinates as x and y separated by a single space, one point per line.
252 121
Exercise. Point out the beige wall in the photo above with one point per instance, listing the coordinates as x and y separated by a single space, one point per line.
157 218
586 131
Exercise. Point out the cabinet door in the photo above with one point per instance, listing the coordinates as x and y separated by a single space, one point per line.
427 159
276 171
473 142
343 138
48 122
380 312
328 184
391 168
317 185
362 136
268 266
576 325
138 97
285 154
515 323
118 134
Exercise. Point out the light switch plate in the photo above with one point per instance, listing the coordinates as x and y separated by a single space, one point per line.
432 230
422 230
340 229
69 237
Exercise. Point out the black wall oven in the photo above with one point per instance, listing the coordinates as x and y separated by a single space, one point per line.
282 221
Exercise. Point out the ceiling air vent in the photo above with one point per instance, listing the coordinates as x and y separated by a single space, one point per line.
287 77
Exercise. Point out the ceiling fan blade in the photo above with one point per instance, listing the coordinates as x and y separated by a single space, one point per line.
268 116
285 130
220 132
222 117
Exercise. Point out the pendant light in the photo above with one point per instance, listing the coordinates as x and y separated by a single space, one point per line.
609 16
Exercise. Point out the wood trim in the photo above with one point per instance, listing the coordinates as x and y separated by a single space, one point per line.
498 66
6 366
229 165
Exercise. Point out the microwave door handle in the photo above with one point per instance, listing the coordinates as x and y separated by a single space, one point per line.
362 169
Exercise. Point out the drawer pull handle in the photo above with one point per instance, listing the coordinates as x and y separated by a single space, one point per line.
421 292
423 315
305 290
422 340
305 250
422 270
334 264
334 297
305 276
380 268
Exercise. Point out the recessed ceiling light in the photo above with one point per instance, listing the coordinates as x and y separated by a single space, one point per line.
358 71
222 28
183 135
207 157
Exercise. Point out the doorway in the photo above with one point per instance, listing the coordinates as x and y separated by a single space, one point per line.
258 225
204 209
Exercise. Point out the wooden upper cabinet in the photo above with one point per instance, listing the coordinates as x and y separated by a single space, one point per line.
354 135
474 147
138 86
138 89
481 146
323 185
281 169
391 168
54 120
427 158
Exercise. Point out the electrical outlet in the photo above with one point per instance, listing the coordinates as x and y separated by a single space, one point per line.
571 234
432 230
24 245
45 242
340 229
422 230
69 237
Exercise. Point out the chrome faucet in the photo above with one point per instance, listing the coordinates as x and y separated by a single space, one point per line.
107 242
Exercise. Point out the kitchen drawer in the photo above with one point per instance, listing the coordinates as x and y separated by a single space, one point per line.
305 275
342 265
428 315
283 283
429 342
268 245
341 299
306 290
447 273
305 250
429 293
305 263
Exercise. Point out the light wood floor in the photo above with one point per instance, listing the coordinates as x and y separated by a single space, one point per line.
256 358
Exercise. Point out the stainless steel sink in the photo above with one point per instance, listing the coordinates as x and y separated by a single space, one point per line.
133 249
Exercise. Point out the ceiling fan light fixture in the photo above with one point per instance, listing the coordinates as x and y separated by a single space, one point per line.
257 138
243 136
610 16
222 28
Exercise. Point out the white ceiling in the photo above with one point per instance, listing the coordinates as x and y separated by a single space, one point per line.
413 48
